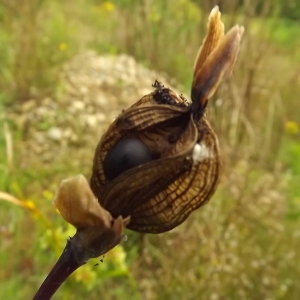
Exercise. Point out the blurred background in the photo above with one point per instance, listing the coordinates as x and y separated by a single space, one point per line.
67 70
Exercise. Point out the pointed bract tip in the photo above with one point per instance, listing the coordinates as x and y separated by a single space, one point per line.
215 12
215 9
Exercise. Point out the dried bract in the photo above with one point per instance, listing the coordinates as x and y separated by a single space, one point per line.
97 230
78 205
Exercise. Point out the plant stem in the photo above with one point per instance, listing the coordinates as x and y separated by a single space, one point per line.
70 260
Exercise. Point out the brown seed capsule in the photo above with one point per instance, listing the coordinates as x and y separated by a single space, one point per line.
180 165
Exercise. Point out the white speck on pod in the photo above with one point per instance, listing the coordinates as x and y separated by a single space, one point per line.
201 152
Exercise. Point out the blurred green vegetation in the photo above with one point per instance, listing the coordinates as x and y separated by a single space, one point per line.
244 243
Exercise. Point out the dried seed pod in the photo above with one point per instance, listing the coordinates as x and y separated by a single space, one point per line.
182 167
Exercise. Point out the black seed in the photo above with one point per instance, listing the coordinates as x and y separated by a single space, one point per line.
127 153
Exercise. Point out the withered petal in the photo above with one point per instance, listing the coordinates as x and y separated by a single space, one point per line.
217 66
78 205
215 32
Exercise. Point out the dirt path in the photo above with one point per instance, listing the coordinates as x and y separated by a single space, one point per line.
93 91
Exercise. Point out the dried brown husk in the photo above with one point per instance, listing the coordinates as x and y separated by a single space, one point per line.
159 195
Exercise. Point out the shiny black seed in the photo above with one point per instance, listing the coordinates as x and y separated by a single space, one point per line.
127 153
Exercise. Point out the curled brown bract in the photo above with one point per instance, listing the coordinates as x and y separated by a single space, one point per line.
184 170
78 205
215 32
216 58
97 230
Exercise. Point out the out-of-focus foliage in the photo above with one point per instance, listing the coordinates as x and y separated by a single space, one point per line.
289 9
35 39
244 243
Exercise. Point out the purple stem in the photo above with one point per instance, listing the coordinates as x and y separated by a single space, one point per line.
70 260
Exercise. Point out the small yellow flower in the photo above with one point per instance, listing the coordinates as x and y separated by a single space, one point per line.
63 46
86 275
30 204
155 17
48 195
108 6
118 256
291 127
